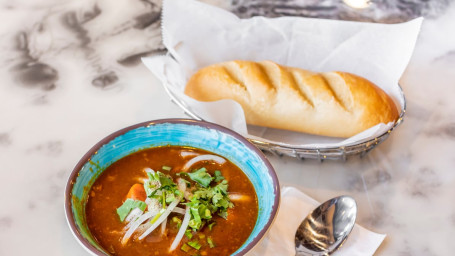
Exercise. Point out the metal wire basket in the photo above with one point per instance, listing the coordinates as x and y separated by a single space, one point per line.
303 152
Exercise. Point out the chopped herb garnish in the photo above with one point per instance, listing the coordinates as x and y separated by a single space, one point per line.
170 197
160 182
166 181
157 216
208 201
201 177
196 221
211 225
163 199
219 200
178 193
188 234
128 206
204 202
178 221
218 176
207 214
194 244
223 215
152 184
210 242
185 248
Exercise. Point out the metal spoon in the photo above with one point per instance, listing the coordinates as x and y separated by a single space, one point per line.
325 229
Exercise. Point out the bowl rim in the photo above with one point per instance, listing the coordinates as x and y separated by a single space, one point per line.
74 174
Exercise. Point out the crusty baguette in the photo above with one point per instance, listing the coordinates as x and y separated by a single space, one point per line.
333 104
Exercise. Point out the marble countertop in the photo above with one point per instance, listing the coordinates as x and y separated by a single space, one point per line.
71 75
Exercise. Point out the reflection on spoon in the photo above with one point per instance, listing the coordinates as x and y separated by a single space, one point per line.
326 228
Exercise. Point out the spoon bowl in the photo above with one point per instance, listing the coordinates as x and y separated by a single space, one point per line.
325 229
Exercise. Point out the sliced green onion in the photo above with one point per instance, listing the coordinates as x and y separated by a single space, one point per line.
208 214
210 242
157 216
178 221
164 199
185 248
195 221
166 168
211 225
188 234
129 205
194 244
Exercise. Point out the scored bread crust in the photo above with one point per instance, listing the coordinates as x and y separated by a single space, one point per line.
336 104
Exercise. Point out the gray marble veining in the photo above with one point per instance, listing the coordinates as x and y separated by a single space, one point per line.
83 28
385 11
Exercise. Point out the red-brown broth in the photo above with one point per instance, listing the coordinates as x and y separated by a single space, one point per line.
109 191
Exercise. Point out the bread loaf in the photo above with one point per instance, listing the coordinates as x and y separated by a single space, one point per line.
336 104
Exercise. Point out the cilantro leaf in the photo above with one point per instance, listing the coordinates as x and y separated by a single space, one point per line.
222 187
158 181
170 197
208 201
218 176
223 214
201 177
152 184
220 201
165 181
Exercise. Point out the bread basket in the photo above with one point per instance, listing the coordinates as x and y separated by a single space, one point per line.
302 152
188 52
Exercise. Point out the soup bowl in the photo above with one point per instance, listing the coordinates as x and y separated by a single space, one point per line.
173 132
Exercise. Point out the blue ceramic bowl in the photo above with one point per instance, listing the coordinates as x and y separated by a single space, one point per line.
176 132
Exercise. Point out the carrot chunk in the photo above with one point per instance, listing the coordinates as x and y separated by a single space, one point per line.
137 192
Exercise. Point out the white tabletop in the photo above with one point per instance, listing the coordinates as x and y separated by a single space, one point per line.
71 75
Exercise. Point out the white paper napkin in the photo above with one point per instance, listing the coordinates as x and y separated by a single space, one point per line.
294 207
198 34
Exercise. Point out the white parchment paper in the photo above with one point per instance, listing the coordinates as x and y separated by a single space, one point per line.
294 207
197 35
